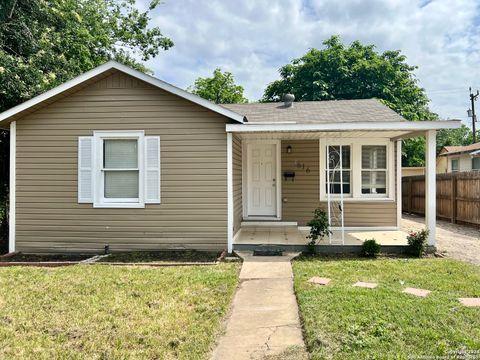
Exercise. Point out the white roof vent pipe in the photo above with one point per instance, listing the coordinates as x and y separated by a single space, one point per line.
288 100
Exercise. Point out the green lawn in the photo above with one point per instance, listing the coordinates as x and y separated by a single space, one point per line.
343 322
113 312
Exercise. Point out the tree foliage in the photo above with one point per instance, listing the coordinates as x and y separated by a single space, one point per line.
44 43
220 88
357 71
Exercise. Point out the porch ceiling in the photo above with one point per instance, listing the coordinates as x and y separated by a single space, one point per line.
313 135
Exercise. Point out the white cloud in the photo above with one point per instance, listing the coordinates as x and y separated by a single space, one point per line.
253 38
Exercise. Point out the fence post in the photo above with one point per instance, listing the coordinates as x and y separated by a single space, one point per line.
453 203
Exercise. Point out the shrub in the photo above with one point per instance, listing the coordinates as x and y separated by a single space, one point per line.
319 228
417 243
370 248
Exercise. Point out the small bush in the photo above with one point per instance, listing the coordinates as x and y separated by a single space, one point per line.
417 243
370 248
319 227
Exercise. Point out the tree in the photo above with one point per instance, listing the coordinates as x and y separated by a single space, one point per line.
356 72
461 136
44 43
220 88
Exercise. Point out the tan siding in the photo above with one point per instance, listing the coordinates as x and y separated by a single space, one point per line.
302 195
193 212
237 183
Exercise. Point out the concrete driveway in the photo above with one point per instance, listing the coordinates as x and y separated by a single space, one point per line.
457 241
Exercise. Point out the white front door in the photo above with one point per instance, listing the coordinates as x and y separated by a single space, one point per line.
262 182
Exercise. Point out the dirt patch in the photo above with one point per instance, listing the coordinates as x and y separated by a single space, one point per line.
457 241
171 256
44 257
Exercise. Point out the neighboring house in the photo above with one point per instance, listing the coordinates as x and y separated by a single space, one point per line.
460 158
118 157
413 170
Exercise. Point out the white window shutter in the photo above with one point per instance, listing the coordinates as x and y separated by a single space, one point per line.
152 169
85 169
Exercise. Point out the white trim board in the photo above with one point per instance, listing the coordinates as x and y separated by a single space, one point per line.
129 71
12 187
230 209
345 126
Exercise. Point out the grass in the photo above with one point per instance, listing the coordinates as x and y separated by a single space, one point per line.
344 322
169 256
107 312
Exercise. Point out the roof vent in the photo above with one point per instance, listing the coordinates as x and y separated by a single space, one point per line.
288 100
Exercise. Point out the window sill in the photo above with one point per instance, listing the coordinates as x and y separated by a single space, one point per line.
120 205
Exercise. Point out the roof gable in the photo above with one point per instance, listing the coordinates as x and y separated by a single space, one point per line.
103 71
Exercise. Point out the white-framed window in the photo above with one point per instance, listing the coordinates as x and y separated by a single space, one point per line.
368 172
119 169
374 169
455 165
476 163
338 172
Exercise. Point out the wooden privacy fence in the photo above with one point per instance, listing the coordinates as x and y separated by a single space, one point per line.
458 196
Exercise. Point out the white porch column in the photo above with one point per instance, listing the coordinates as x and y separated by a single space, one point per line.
430 185
229 192
399 198
12 187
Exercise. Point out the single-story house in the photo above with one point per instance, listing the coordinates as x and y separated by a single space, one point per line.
119 157
460 158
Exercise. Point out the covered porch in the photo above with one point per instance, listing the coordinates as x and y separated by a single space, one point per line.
278 174
281 234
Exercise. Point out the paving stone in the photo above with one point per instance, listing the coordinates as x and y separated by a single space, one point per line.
417 292
365 285
470 302
319 280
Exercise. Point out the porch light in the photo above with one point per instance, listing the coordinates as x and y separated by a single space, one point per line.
289 149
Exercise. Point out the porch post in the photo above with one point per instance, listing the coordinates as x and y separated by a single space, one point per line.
399 196
229 193
12 187
430 185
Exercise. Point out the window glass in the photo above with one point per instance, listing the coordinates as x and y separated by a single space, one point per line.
374 169
120 154
454 164
121 184
476 163
121 174
333 175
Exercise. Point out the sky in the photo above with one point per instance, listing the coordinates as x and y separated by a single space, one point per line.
254 38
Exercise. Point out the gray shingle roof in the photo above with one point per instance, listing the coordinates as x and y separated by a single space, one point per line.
311 112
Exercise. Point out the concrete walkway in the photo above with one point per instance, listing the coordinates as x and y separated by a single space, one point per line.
264 319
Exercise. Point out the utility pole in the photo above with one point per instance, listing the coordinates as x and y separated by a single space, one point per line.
471 113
